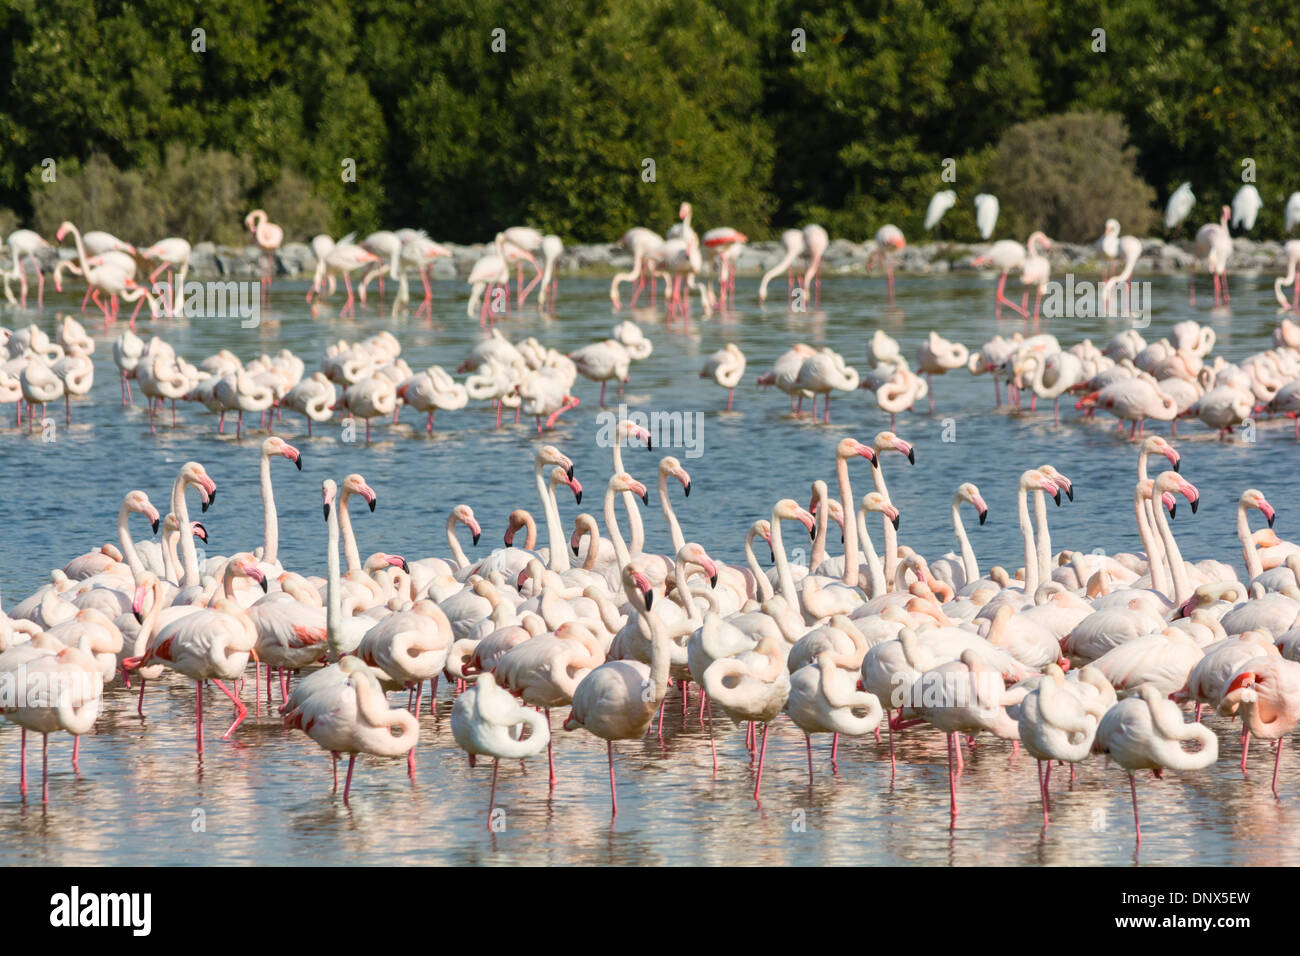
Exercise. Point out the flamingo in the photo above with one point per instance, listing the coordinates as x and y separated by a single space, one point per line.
619 699
1214 245
267 236
25 242
1292 252
174 253
1265 693
754 685
1147 732
726 367
641 242
1054 724
889 239
347 713
213 643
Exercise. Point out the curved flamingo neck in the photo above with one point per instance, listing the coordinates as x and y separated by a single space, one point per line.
611 528
762 586
875 572
189 556
1249 552
1177 570
128 545
788 591
670 515
1027 533
457 552
851 558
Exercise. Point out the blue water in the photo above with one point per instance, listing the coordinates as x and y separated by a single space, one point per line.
265 797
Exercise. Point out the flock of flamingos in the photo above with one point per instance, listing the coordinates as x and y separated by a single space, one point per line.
1075 653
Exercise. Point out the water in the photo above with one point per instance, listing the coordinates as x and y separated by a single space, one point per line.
265 797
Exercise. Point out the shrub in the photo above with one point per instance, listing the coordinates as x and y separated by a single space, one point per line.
1067 175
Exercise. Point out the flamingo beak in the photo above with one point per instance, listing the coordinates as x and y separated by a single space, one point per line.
199 530
1056 495
907 449
293 455
137 604
397 561
154 524
576 487
1268 511
643 585
1170 502
684 478
894 516
474 529
1175 459
569 470
256 574
982 509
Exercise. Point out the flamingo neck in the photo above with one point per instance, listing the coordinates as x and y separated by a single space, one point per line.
345 528
850 577
969 565
611 528
128 545
762 585
875 572
189 557
457 552
1248 550
783 567
1027 533
670 515
271 524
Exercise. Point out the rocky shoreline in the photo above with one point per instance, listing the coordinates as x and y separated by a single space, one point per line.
843 257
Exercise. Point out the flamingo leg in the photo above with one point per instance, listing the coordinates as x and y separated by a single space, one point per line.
550 752
347 783
762 754
613 793
807 740
45 768
952 777
22 763
241 711
1132 784
492 796
198 718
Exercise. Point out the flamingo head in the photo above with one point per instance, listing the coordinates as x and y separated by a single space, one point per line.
876 502
380 560
550 455
278 446
1037 481
1169 482
328 490
692 553
852 448
1255 499
969 493
464 514
354 484
625 482
139 502
787 509
1059 480
670 466
64 229
243 565
1157 445
560 477
888 441
195 474
631 431
1241 690
634 577
1088 401
147 583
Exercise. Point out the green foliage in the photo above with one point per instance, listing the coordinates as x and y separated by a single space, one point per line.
447 134
1067 175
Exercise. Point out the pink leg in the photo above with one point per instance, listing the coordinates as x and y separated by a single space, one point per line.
240 710
198 718
45 768
139 709
1277 763
807 740
762 754
1132 785
347 784
22 763
492 795
952 777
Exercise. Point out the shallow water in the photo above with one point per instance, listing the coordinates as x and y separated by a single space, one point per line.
265 796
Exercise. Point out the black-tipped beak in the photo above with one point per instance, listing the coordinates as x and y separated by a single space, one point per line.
577 497
875 461
570 472
649 599
1057 497
1173 511
1195 502
139 617
896 519
1069 492
1178 465
373 501
771 557
298 461
688 489
212 498
405 566
475 538
574 547
713 581
1270 520
201 530
812 533
154 524
325 510
645 500
649 444
983 515
264 584
911 456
